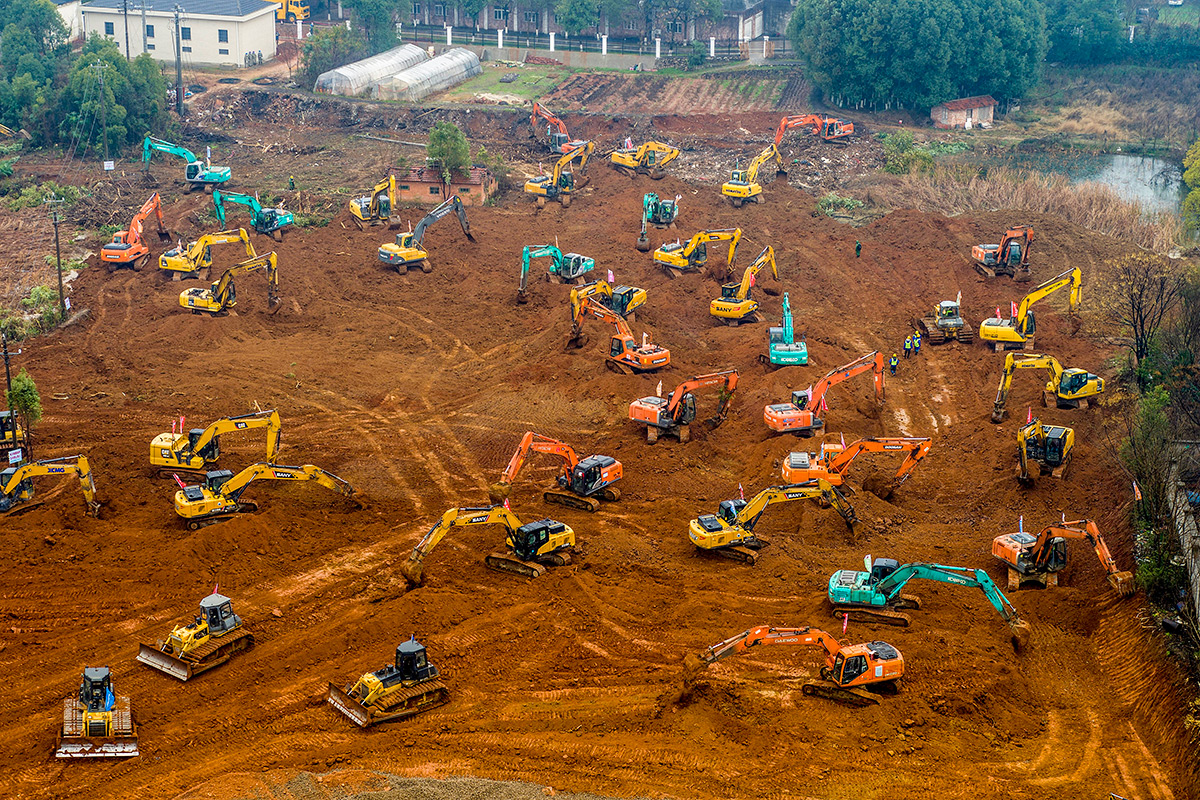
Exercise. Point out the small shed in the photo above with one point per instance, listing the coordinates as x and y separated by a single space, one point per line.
966 112
361 78
424 185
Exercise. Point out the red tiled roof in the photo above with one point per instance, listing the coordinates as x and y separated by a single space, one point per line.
966 103
434 175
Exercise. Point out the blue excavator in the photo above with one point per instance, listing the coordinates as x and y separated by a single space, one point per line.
782 348
564 267
656 212
876 595
267 221
197 173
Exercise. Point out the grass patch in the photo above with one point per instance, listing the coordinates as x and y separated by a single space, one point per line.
1179 15
533 82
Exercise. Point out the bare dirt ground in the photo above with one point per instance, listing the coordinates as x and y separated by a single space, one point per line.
416 389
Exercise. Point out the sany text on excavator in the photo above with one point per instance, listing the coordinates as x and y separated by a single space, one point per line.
583 482
530 548
730 532
97 723
647 159
1049 446
409 249
376 208
671 416
849 670
1017 333
197 173
1039 559
127 249
735 305
181 262
1010 257
800 415
782 348
656 212
834 460
219 497
557 139
215 636
624 354
219 298
876 594
1069 386
743 185
564 267
676 258
562 183
267 221
828 128
192 453
399 690
16 483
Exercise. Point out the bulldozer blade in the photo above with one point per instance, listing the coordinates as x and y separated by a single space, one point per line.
1123 583
114 747
353 710
164 662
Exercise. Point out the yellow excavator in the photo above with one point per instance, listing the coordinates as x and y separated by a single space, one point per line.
375 208
1048 446
561 183
622 300
675 258
186 262
16 483
1017 333
219 497
409 249
735 305
191 454
1069 386
530 548
215 636
399 690
222 295
647 159
730 532
743 186
97 723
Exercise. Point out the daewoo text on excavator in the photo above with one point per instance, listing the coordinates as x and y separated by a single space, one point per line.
625 354
1010 257
828 128
1049 446
782 348
743 185
267 221
1017 333
832 463
672 415
847 675
219 497
946 324
1039 559
214 636
876 595
529 548
127 249
675 258
562 183
180 262
647 159
219 298
376 208
557 139
730 532
799 416
564 267
582 484
197 173
735 305
16 483
656 212
193 453
96 723
409 250
1070 387
403 689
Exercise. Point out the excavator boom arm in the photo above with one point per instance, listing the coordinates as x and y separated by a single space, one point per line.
536 443
1072 277
914 448
462 517
748 516
766 635
67 465
727 378
234 487
220 289
453 205
766 257
960 576
245 422
871 362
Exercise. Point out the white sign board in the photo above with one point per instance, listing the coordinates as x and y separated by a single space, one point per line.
109 166
15 456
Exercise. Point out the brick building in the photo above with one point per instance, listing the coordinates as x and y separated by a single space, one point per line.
967 112
424 185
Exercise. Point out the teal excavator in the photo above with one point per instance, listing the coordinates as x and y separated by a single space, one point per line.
197 173
656 212
267 221
782 348
564 267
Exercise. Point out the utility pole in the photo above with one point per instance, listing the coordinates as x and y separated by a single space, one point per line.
178 67
7 372
100 66
145 43
53 202
125 11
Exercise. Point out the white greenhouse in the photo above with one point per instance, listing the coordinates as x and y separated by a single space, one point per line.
362 77
450 68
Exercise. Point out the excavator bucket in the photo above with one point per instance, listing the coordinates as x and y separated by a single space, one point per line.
164 662
353 710
1021 631
1122 583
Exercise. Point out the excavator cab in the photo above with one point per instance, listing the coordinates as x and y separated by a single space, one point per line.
850 666
213 481
882 567
1014 252
528 540
211 451
729 509
1073 380
192 171
23 490
558 140
623 297
10 432
96 695
589 475
574 265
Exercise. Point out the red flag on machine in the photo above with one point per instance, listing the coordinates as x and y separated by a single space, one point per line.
176 477
741 492
1013 307
751 280
215 587
997 312
1137 493
1029 419
506 505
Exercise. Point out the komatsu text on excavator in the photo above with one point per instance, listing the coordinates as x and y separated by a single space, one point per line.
582 483
1069 387
672 415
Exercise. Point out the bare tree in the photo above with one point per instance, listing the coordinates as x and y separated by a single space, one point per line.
288 51
1147 290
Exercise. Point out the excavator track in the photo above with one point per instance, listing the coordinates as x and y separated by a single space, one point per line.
211 654
402 703
507 562
169 472
930 330
865 614
613 365
743 555
571 500
839 694
197 523
22 508
608 494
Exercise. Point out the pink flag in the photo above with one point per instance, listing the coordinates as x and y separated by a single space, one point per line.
1029 419
176 477
751 280
843 441
824 405
1013 305
741 492
610 276
845 620
997 312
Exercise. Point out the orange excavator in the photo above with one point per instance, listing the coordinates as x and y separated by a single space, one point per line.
557 138
828 128
1010 257
846 675
1039 559
127 250
800 415
673 414
624 355
834 459
583 483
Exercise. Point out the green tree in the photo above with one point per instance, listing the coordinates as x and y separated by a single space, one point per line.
23 398
1083 31
449 149
1191 177
378 21
575 15
330 48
